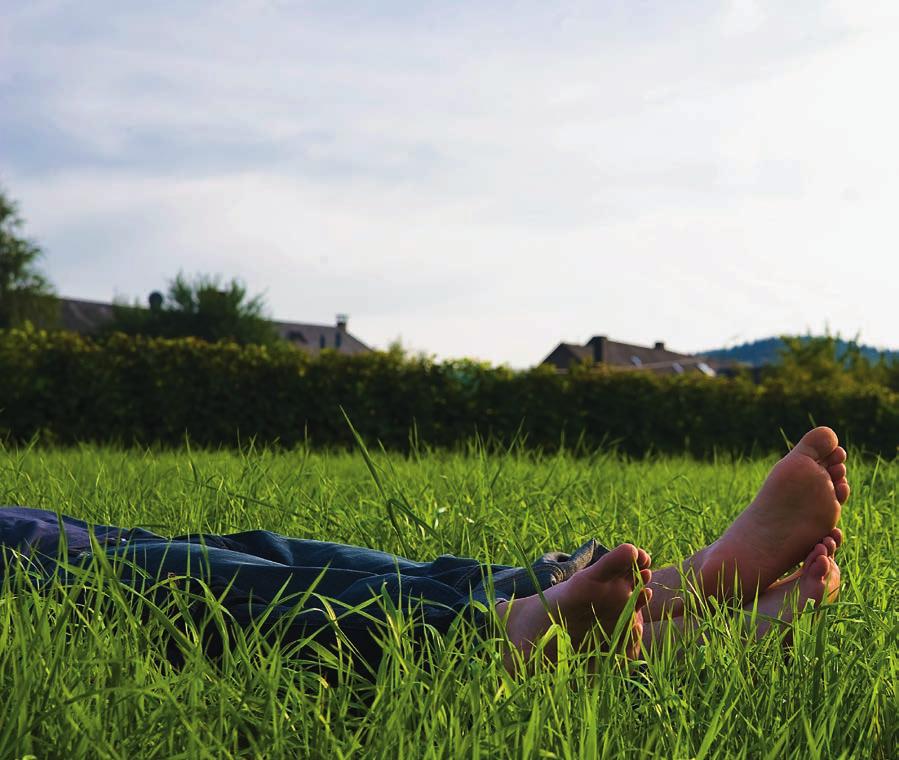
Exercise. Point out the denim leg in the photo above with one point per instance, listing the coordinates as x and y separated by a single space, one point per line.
295 601
458 572
308 552
288 580
267 567
261 563
46 535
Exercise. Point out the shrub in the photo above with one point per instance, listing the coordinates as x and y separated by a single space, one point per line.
132 389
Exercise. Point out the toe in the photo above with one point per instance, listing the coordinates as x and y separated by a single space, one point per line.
818 444
643 598
619 561
837 472
645 576
837 535
818 568
837 456
830 545
632 651
813 582
842 490
833 581
819 550
643 559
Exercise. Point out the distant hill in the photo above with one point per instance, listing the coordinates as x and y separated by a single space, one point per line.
766 351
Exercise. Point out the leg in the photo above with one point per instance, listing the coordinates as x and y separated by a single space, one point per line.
299 591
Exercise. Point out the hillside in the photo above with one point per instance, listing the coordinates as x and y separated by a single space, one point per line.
766 351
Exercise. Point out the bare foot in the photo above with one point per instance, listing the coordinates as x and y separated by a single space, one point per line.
592 598
832 542
818 582
799 502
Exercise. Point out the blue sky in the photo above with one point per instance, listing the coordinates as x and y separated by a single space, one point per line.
480 179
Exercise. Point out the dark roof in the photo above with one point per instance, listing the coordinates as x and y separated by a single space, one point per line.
678 367
315 338
89 316
615 354
622 354
83 316
581 353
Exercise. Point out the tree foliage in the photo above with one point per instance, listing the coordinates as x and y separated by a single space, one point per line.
767 351
201 307
26 295
829 362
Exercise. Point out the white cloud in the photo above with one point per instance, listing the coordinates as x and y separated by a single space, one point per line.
477 182
742 17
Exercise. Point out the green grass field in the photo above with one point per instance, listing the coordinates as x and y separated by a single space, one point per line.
75 683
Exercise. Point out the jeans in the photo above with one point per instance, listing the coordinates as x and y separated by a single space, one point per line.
260 575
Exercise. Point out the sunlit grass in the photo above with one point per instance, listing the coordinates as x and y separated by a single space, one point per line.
86 674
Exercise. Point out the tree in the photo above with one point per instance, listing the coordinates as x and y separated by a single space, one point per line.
26 295
828 360
201 307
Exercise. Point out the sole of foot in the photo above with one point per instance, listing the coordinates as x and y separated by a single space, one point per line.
589 604
799 503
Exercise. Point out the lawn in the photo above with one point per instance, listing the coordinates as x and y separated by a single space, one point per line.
76 683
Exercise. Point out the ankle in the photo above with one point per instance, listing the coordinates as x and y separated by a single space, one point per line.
696 565
713 571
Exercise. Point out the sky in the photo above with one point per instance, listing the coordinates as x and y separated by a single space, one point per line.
472 178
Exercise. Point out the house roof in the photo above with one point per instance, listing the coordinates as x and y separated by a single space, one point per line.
622 354
678 367
315 338
577 351
89 316
615 354
83 316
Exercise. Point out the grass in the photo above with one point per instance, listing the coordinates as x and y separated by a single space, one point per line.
87 676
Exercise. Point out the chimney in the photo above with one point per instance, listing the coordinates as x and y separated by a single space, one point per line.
342 319
598 343
659 346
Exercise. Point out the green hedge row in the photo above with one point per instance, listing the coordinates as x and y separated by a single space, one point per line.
153 391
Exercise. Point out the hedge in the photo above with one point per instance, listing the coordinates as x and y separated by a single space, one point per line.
134 390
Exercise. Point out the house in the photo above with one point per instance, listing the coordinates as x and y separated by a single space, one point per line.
84 317
599 350
89 316
315 338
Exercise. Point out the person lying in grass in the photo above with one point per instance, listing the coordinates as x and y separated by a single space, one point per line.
298 590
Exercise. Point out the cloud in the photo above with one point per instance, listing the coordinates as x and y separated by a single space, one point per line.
671 171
